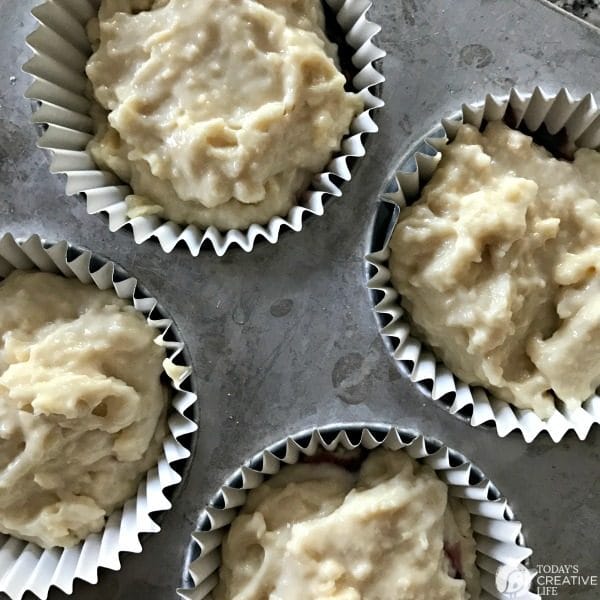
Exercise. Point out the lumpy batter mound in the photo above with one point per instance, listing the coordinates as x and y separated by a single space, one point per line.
498 265
216 112
82 407
318 531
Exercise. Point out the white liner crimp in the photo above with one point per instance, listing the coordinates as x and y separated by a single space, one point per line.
580 120
498 536
60 51
27 567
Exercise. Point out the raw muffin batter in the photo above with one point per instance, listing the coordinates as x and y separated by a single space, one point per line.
219 111
498 265
318 531
82 408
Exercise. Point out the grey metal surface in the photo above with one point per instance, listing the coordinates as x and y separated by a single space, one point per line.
285 338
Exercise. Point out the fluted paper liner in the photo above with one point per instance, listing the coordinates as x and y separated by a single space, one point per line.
498 536
61 49
27 567
579 119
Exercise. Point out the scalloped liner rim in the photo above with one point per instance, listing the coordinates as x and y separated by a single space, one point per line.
179 425
372 435
168 233
504 416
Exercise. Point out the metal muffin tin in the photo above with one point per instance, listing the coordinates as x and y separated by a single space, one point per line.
284 338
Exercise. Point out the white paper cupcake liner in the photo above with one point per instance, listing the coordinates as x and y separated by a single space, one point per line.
27 567
579 119
61 49
498 536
